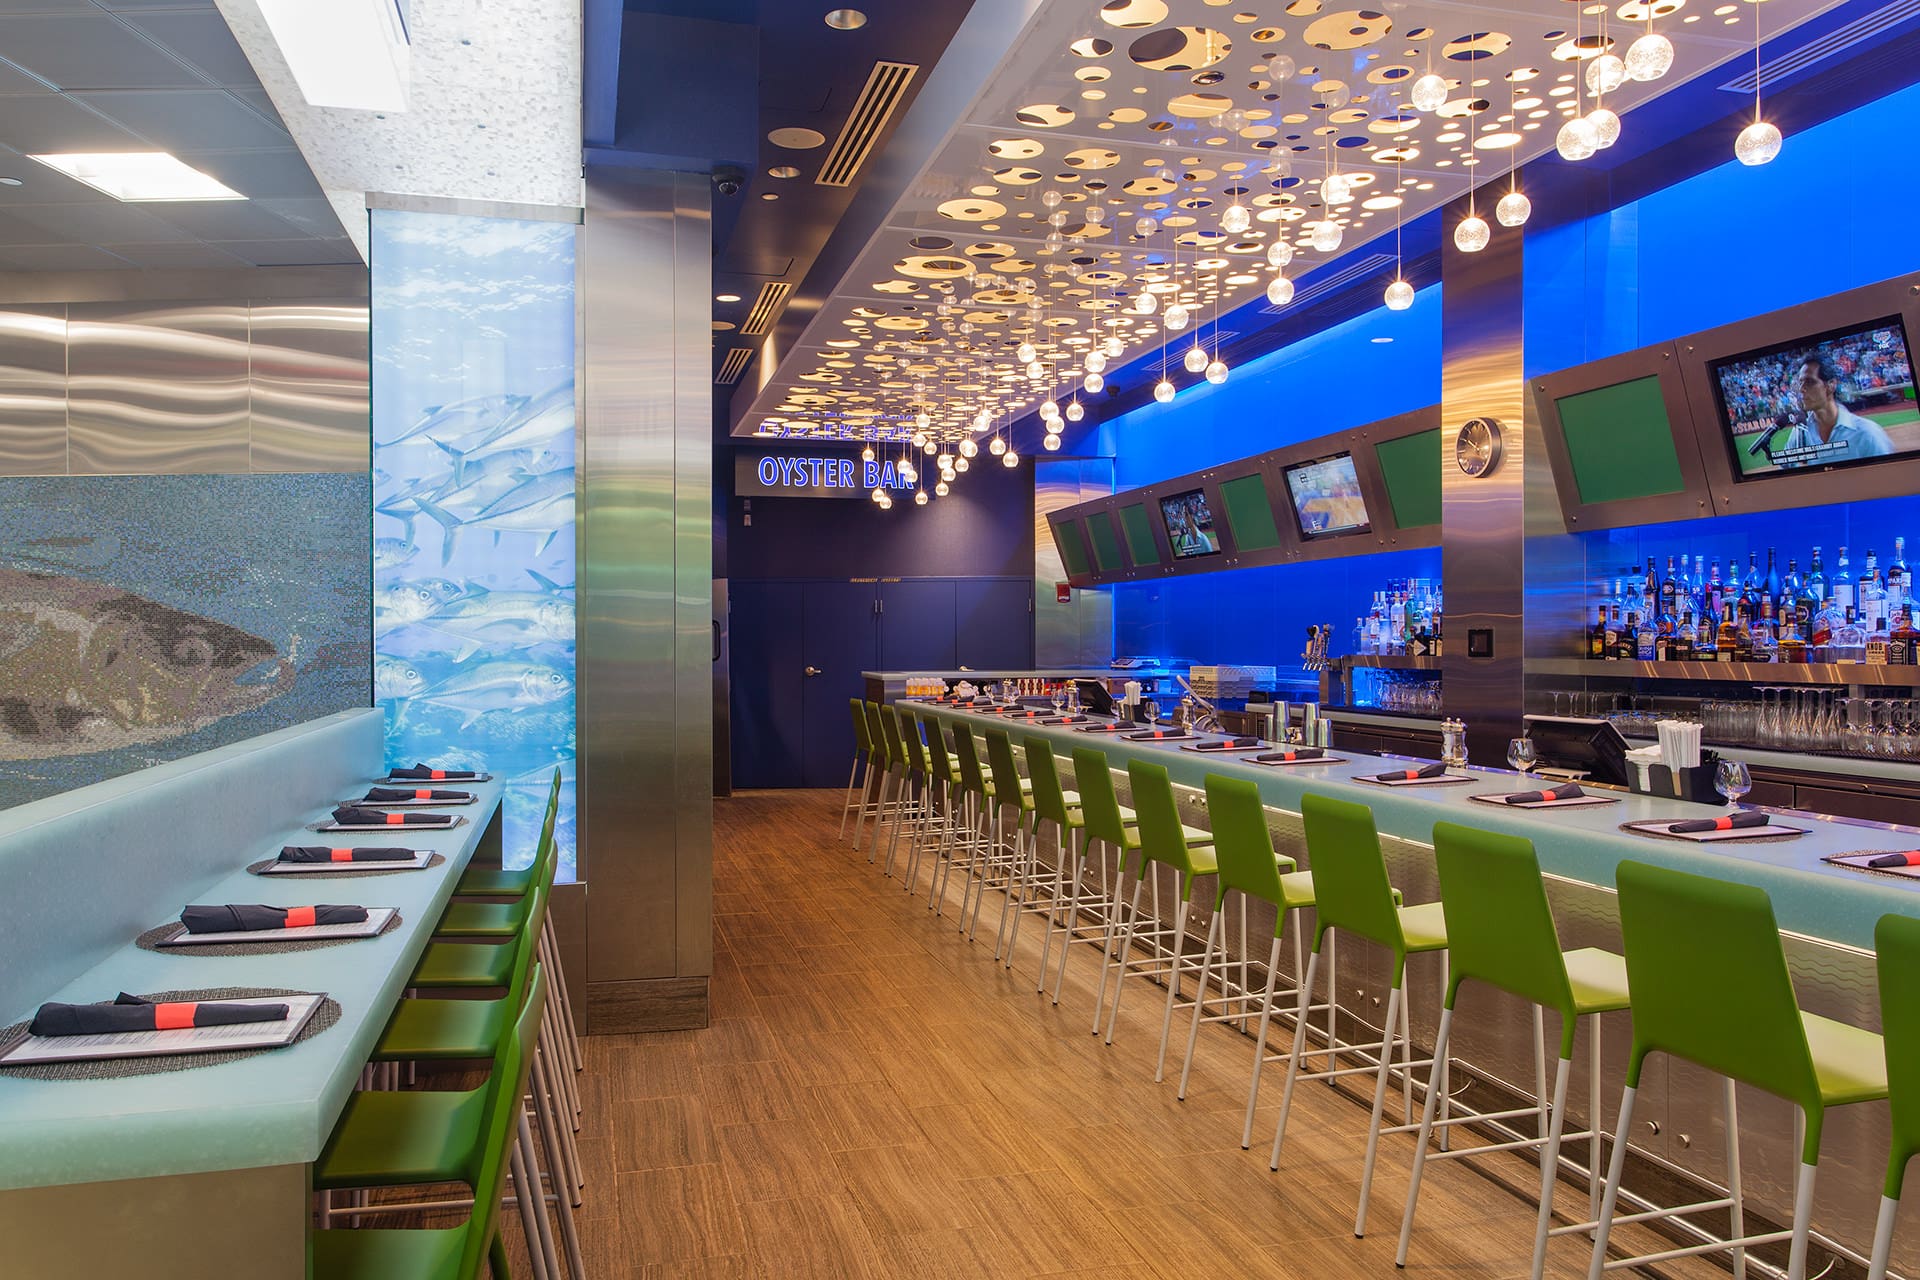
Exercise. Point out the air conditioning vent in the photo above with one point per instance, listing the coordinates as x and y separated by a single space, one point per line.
733 366
773 295
1869 26
886 88
1329 283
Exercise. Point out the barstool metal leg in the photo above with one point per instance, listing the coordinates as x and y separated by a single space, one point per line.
569 1231
529 1154
526 1194
1440 1041
1611 1195
1395 1000
1173 984
1293 1058
1260 1039
1737 1211
1215 928
1882 1238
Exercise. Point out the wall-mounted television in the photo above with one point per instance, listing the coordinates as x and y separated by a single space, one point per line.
1326 497
1190 529
1843 398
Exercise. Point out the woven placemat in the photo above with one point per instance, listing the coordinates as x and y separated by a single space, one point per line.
260 868
124 1068
1834 858
152 938
1708 844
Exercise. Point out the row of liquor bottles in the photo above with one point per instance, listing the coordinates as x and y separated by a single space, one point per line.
1762 616
1405 619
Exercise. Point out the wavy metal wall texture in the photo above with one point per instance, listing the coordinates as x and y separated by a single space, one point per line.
473 501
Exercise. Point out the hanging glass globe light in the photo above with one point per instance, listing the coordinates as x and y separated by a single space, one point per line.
967 450
1009 459
922 420
1144 227
1095 215
919 438
1050 409
1280 291
1606 73
1195 359
1163 391
996 446
960 465
1058 218
1399 296
1050 198
1050 442
1146 304
1472 235
941 489
1036 370
1280 67
866 454
944 461
1052 243
1075 411
1096 362
919 497
1217 372
908 473
1279 253
1234 219
1025 353
1649 57
878 494
1606 127
1093 384
1576 140
1326 234
1513 210
1758 143
1176 317
1429 92
1113 346
1337 189
929 448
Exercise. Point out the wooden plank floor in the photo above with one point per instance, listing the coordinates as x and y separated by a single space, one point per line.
876 1097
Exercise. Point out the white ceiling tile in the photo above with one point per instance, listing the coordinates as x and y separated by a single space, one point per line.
180 120
92 50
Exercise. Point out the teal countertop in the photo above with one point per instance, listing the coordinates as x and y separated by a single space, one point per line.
1818 899
274 1108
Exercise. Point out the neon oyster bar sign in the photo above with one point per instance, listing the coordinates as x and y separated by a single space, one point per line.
787 475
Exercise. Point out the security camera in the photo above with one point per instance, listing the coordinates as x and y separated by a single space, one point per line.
727 183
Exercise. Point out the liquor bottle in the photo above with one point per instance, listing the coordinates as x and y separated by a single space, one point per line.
1643 639
1613 633
1650 592
1820 638
1597 638
1669 591
1793 647
1873 593
1697 586
1841 589
1716 594
1849 642
1812 594
1751 588
1788 605
1772 587
1899 582
1726 640
1902 640
1703 636
1877 642
1680 643
1817 578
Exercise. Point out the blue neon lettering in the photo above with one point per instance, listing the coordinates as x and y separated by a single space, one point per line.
769 471
846 473
888 478
872 474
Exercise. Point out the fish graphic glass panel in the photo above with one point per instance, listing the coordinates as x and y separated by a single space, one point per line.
473 504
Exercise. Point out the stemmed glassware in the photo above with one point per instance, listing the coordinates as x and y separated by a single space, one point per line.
1520 754
1732 780
1058 697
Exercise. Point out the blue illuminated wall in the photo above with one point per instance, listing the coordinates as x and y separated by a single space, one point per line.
473 500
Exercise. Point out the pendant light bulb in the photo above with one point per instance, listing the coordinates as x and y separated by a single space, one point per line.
1093 384
1399 296
1279 253
1606 127
1337 189
929 448
1176 317
1050 442
866 454
1605 74
944 462
960 466
908 472
1075 411
1513 210
1050 409
1195 359
878 494
941 489
1096 362
1472 235
1280 291
1146 304
919 438
1649 57
1326 234
922 420
996 446
1144 227
1758 143
1025 353
919 497
1113 347
968 449
1163 391
1576 140
1095 215
1429 92
1010 459
1036 370
1234 219
1217 372
886 502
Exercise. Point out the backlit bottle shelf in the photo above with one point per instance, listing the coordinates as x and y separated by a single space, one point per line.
1748 673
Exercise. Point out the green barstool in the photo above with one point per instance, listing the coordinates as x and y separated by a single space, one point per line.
918 794
1054 803
856 801
1896 939
1500 931
1352 895
873 786
984 857
949 798
1249 867
1711 987
900 774
1024 874
1108 826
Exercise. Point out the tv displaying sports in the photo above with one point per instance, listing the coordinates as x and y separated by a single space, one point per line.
1838 399
1189 525
1326 497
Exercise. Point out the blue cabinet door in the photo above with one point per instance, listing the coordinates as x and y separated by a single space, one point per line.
916 625
993 623
767 680
839 641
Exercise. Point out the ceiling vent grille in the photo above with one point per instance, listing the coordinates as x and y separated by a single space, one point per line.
733 366
773 295
1868 26
886 88
1337 280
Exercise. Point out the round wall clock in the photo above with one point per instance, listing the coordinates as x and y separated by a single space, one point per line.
1476 450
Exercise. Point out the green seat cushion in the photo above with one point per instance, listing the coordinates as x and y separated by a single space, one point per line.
1296 889
492 882
481 920
464 964
383 1255
1598 979
1851 1064
423 1030
391 1139
1424 927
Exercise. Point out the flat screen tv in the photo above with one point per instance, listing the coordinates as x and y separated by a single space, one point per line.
1190 529
1844 398
1326 497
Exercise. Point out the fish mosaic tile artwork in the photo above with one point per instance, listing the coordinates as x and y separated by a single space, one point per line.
145 618
473 502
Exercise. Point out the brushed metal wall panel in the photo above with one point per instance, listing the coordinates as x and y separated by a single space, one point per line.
308 381
33 391
157 388
1080 633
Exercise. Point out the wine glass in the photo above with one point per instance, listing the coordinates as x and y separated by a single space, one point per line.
1520 754
1732 780
1058 697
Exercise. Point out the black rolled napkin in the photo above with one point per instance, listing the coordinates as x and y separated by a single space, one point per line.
1907 858
1155 735
1568 791
1066 719
131 1013
1231 744
1291 754
1730 822
234 917
422 773
396 795
348 816
318 853
1433 770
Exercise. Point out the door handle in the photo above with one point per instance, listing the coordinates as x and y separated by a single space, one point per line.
813 671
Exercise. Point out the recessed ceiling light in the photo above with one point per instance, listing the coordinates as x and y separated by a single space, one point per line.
8 181
784 171
346 53
769 195
726 297
846 19
137 176
801 139
1377 341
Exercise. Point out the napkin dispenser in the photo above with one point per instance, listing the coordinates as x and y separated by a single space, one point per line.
1695 785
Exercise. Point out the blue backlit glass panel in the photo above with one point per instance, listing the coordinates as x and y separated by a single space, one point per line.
473 502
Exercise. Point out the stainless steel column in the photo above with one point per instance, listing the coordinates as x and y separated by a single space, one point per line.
1079 633
1482 519
646 567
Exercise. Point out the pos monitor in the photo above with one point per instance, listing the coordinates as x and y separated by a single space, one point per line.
1591 747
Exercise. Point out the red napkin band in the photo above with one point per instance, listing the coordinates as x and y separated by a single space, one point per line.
1412 773
299 917
173 1017
396 819
1289 756
340 855
423 795
438 774
1723 824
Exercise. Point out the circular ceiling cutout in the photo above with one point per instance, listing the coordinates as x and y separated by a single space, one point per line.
797 139
1015 148
1126 115
930 244
1460 108
972 209
989 250
1389 126
1132 14
1351 30
783 171
911 324
1092 158
931 267
1092 47
1147 187
1018 177
1481 44
1392 74
1643 11
1180 49
1581 48
1044 115
1200 106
